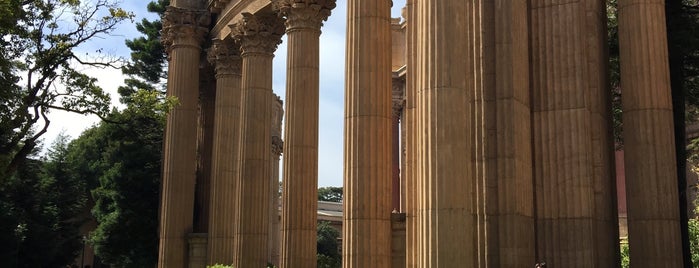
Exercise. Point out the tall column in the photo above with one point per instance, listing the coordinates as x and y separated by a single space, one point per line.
409 189
651 178
277 149
398 85
606 242
299 213
367 149
561 134
258 36
514 197
205 133
447 211
225 57
183 33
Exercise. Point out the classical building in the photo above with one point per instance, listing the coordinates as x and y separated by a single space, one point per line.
502 107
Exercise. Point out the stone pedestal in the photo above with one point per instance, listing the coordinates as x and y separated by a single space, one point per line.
183 32
367 154
225 56
197 250
303 22
651 176
258 36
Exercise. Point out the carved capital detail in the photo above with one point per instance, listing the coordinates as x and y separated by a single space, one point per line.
304 14
184 27
277 145
258 33
398 96
224 55
217 6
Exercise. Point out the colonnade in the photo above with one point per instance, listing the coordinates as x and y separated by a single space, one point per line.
505 118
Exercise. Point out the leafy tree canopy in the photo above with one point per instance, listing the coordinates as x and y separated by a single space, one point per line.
40 68
331 194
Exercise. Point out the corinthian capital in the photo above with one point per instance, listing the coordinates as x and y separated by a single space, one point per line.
184 27
224 55
304 14
258 33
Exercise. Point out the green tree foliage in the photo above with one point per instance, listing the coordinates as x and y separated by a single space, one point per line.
41 210
146 69
330 193
328 247
125 158
38 44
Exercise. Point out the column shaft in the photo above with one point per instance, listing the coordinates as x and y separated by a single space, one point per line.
651 177
277 149
225 177
258 36
409 189
446 183
179 150
300 200
606 224
205 133
367 168
514 196
561 135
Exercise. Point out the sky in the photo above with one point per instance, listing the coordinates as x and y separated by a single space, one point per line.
332 70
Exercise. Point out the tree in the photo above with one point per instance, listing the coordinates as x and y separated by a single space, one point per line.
328 247
331 194
146 69
42 208
39 41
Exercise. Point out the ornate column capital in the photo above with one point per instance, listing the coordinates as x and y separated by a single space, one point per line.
258 33
217 6
277 145
224 55
398 96
304 14
184 27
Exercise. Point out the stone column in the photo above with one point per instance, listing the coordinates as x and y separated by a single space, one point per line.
398 84
299 213
515 220
408 190
197 250
205 133
447 210
258 36
651 178
367 149
277 149
606 242
183 33
225 57
564 193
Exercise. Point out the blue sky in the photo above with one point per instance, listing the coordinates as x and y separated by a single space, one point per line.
332 67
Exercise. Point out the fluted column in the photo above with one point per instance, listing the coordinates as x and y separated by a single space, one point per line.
225 57
205 133
447 212
606 242
183 33
367 149
409 189
398 84
277 149
515 201
561 134
651 178
303 23
258 36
